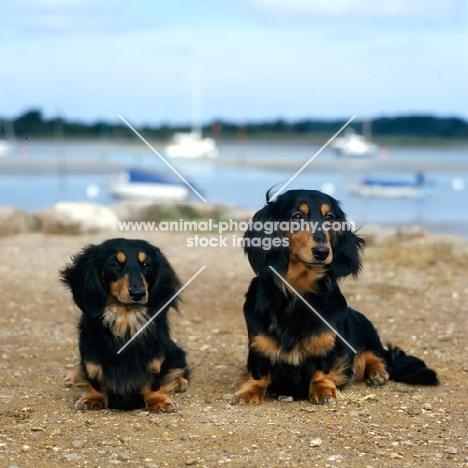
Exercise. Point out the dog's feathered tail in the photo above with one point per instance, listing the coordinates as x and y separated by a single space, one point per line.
409 369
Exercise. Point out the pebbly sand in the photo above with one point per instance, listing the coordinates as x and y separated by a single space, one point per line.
413 288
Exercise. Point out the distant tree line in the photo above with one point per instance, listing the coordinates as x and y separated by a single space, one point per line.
410 126
32 124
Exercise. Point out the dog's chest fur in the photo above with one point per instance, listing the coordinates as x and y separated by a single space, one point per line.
124 321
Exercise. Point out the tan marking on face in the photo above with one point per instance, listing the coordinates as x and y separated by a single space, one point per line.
303 349
304 208
155 365
94 371
119 292
303 270
121 257
119 289
300 245
324 209
141 257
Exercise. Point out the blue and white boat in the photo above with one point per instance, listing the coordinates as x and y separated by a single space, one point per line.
389 188
142 185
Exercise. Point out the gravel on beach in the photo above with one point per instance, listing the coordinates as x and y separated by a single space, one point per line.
413 288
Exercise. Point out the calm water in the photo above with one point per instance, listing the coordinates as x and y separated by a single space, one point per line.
442 208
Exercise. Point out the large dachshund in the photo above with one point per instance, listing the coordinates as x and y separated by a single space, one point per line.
120 286
304 340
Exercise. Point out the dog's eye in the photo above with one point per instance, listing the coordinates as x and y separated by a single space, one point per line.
330 216
297 215
116 265
146 265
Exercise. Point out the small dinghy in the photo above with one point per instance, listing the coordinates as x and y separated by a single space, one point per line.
389 188
139 184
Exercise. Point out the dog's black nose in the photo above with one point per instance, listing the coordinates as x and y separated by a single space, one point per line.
137 294
320 253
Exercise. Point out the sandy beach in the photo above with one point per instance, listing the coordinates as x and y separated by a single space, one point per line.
413 288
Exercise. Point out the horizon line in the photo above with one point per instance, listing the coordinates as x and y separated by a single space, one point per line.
236 122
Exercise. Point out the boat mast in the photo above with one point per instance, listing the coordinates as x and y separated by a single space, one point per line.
196 100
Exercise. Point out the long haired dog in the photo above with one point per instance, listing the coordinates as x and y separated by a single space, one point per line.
120 285
307 342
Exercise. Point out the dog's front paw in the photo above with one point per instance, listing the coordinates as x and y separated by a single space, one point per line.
75 378
322 393
182 385
90 403
162 405
252 391
247 398
378 378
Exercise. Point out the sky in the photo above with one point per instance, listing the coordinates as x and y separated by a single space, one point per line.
175 61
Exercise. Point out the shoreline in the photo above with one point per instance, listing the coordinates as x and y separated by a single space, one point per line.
75 218
66 166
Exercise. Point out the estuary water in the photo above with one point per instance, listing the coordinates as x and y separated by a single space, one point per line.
40 174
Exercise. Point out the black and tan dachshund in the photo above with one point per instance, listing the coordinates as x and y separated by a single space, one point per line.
304 340
120 286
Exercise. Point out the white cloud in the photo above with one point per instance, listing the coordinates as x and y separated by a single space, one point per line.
62 16
396 9
95 58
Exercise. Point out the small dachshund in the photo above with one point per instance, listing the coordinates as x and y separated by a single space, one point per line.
304 340
124 289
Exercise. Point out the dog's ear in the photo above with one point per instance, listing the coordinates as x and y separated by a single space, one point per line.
82 278
166 282
264 244
347 249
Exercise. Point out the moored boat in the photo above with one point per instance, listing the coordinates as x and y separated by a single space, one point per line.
191 145
352 144
389 188
5 148
138 184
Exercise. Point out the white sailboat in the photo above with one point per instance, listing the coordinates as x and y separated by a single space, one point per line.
6 146
192 144
353 144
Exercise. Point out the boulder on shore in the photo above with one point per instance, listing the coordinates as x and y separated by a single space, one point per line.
76 218
146 211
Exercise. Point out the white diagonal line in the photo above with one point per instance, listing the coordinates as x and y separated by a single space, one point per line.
163 159
312 309
161 309
312 158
